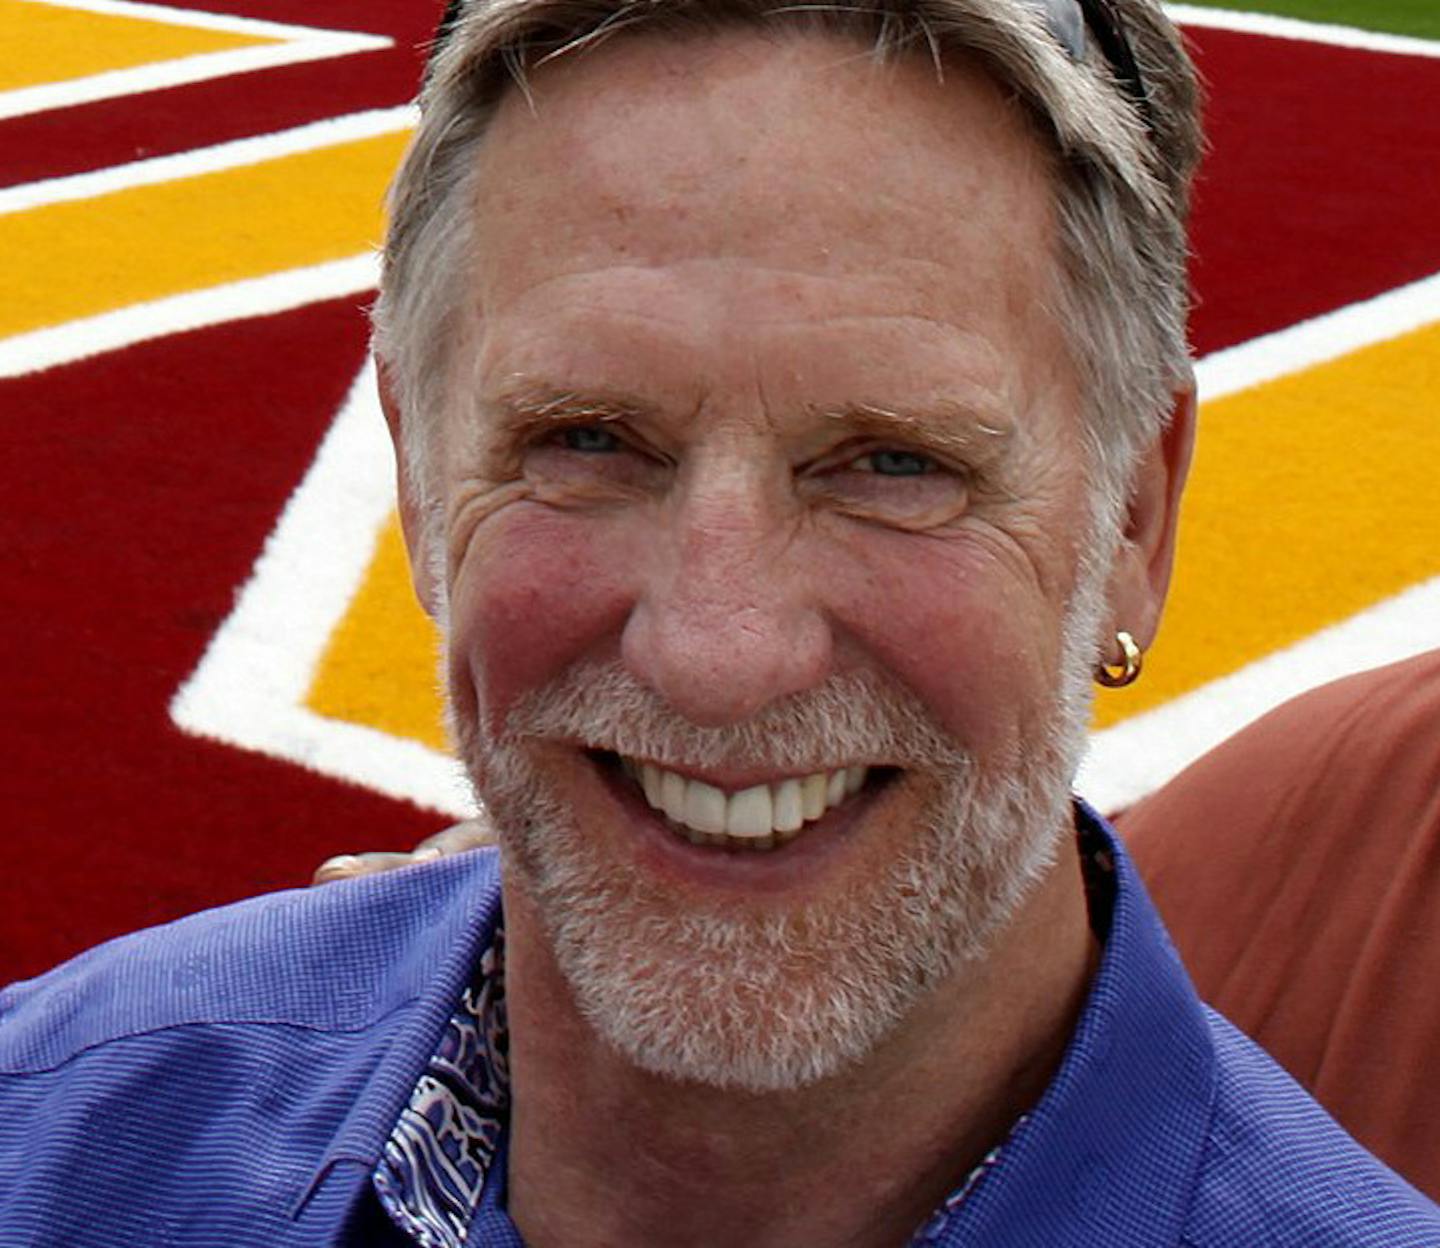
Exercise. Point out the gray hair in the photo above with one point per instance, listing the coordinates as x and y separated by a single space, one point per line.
1122 187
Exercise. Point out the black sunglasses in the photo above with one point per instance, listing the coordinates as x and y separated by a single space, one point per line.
1067 21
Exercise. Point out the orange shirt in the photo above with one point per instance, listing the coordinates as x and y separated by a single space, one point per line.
1298 868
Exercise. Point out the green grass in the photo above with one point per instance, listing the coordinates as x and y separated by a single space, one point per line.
1400 17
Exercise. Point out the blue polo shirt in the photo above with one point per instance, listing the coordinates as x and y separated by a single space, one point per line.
246 1076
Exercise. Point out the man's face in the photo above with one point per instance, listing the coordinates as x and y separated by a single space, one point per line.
764 463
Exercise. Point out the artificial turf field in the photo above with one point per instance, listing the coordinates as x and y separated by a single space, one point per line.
213 673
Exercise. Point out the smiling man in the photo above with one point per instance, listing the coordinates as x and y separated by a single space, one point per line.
792 407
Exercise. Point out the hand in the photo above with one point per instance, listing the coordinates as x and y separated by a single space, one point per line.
471 834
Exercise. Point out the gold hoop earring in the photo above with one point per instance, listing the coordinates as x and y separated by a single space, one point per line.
1126 674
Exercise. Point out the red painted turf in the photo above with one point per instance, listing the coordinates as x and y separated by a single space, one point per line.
140 486
138 492
158 123
1320 189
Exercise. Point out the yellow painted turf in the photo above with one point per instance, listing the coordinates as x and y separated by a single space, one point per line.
42 43
1311 498
78 259
380 668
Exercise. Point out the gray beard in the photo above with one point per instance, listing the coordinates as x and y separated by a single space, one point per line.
777 1001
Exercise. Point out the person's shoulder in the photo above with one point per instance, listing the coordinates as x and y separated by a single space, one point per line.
326 958
1345 745
237 1053
1278 1172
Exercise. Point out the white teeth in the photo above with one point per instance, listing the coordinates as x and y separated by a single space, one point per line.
650 779
672 795
704 807
812 795
760 817
789 813
750 813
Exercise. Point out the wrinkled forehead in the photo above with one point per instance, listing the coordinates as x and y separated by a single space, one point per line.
796 150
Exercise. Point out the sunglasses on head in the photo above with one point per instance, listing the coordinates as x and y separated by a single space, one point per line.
1067 21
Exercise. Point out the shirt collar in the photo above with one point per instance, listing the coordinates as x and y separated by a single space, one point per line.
465 915
1110 1152
446 1148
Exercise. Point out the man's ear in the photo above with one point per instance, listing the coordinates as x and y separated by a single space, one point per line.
1140 578
423 566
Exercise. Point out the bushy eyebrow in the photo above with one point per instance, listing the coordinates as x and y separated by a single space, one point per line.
947 428
527 408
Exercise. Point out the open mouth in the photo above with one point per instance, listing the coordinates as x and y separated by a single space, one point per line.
760 817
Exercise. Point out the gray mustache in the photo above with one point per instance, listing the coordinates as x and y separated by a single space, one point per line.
850 718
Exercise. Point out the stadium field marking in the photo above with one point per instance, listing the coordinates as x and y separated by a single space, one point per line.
47 43
291 45
1220 373
328 132
1276 27
40 349
249 689
86 258
200 19
1308 343
1189 14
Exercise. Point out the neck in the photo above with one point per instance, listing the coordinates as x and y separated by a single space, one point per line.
604 1153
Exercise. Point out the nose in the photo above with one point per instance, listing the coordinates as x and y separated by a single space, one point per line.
729 620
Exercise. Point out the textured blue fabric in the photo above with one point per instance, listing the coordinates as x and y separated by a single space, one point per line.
233 1078
230 1078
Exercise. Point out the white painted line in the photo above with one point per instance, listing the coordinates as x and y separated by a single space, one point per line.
297 44
395 766
1139 755
1309 343
249 688
200 19
196 162
1309 32
140 322
178 72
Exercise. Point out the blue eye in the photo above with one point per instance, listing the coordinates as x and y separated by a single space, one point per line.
895 463
589 439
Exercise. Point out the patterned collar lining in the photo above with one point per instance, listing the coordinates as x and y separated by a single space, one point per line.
432 1175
